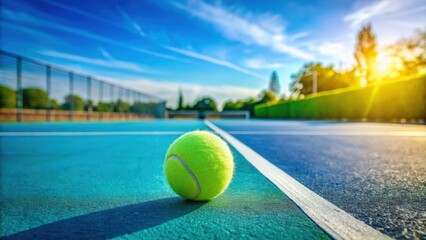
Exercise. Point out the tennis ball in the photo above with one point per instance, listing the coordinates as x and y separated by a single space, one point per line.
199 165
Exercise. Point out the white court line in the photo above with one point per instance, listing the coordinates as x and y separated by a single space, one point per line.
335 221
333 133
47 134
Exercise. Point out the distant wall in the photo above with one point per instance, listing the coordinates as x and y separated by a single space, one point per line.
10 115
386 101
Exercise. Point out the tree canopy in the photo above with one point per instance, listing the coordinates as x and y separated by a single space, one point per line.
327 79
73 102
34 98
274 83
366 54
205 104
180 100
408 56
7 97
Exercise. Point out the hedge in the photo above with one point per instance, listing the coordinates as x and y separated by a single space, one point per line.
387 100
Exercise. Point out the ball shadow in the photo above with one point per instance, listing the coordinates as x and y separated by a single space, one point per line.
112 222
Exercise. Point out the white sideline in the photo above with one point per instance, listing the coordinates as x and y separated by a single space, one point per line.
333 133
47 134
333 220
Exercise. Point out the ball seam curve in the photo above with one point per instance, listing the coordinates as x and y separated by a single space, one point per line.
194 178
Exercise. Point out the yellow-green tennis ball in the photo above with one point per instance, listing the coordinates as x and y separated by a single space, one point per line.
199 165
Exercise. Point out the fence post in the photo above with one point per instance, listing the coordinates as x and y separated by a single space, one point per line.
101 92
19 89
129 101
49 104
71 110
111 93
89 98
119 99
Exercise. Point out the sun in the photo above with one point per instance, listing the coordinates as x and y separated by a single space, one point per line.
386 65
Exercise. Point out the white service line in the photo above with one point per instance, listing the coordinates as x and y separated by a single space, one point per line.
47 134
333 133
335 221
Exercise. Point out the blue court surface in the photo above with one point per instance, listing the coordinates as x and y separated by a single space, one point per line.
293 180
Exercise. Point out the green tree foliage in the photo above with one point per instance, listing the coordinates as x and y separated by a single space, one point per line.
121 106
73 102
250 103
267 97
7 97
88 104
180 101
54 104
231 105
103 107
143 107
274 83
410 53
366 54
34 98
327 79
205 104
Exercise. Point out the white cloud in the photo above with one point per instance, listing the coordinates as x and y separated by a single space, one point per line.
169 91
131 22
106 63
266 30
332 52
335 49
257 63
380 8
298 36
215 61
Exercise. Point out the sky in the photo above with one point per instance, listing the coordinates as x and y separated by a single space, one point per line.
223 49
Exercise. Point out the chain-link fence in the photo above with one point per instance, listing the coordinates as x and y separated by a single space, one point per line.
32 90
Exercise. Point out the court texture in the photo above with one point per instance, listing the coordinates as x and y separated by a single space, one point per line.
293 180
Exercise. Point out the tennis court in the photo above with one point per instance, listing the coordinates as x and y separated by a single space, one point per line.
105 180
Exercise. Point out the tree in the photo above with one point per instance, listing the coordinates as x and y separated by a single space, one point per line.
365 54
327 79
7 97
103 107
34 98
205 104
274 83
180 100
121 106
248 105
410 54
267 97
231 105
73 102
54 104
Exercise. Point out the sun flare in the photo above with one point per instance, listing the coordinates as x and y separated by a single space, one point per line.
387 65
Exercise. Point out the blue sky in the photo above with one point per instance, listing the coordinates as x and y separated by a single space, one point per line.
225 49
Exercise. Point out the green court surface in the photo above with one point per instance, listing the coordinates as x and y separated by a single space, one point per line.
111 184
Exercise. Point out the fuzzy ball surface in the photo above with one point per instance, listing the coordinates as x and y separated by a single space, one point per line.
199 166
